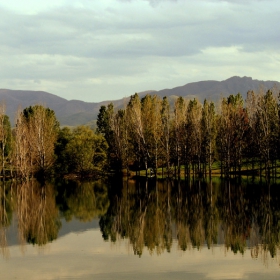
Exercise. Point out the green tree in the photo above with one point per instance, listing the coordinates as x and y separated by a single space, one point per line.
62 157
87 152
83 200
109 124
103 121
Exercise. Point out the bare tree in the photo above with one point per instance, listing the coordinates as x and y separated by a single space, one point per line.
36 132
22 157
5 137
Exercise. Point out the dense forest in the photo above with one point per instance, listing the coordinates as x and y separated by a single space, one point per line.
182 138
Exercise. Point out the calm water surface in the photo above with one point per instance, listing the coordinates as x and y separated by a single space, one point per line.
140 230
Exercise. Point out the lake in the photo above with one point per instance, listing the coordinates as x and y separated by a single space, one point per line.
140 229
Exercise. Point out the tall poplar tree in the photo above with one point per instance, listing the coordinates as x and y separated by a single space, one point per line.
137 131
194 134
179 131
267 127
208 129
166 123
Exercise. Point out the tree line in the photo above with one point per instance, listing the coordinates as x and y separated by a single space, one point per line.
37 146
149 133
190 136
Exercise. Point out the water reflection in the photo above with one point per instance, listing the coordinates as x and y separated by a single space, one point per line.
239 215
37 213
39 208
6 210
82 200
149 214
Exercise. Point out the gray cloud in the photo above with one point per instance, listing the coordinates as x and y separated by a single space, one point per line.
132 40
85 33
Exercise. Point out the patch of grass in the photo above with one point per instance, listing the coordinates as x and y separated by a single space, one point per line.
246 171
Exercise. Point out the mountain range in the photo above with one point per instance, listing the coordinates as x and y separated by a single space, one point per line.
76 112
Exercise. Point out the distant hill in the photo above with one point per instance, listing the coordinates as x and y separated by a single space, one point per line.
69 113
75 112
214 90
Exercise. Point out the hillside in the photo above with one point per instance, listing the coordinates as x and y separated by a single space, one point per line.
214 90
75 112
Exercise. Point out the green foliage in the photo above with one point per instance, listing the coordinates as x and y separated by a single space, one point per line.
82 200
85 151
62 157
49 114
103 121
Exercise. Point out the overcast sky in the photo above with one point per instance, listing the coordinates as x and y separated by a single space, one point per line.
95 50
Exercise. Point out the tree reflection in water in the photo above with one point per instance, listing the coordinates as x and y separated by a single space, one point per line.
39 208
82 200
37 213
6 213
150 214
